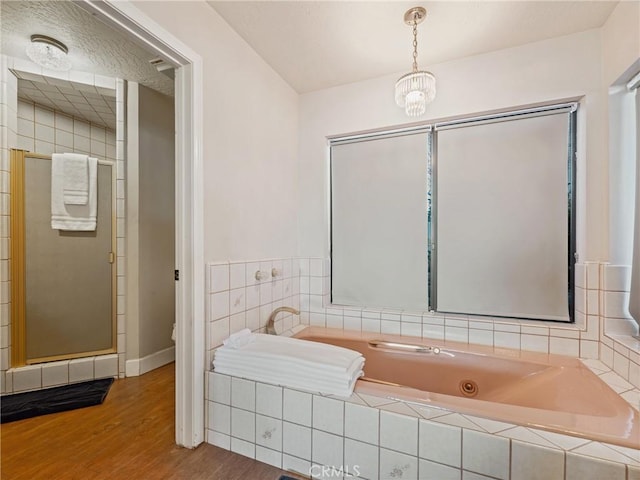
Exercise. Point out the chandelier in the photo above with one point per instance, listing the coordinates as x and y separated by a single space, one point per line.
414 90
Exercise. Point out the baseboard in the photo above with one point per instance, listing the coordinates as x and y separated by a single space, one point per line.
140 366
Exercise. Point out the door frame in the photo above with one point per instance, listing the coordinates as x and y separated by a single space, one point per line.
190 303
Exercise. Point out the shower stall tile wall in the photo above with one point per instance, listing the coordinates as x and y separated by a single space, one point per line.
42 130
242 294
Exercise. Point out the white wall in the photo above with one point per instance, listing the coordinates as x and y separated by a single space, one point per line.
620 61
554 69
250 138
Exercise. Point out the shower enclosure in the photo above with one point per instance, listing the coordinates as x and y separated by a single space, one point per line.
63 282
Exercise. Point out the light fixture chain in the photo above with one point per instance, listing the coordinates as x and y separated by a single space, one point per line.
415 45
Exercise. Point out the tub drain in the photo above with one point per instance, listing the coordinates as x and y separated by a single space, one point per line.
469 388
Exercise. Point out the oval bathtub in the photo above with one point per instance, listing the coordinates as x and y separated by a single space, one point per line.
550 392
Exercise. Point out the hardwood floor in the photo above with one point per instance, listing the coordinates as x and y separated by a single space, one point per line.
130 436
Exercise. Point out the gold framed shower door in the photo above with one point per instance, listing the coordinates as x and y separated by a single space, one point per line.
18 255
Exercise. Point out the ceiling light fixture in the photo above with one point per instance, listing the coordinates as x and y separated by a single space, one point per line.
48 53
414 90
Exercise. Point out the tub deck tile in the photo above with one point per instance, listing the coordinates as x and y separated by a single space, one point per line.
458 420
491 426
602 451
525 435
565 442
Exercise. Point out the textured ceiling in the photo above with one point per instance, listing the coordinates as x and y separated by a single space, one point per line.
320 44
93 46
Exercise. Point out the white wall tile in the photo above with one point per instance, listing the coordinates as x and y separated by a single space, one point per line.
269 432
398 465
270 457
361 459
294 464
579 467
328 415
219 439
218 278
27 378
399 432
327 449
534 343
564 346
269 400
219 417
531 462
485 454
296 440
219 303
242 447
361 423
81 369
106 366
440 443
297 407
436 471
243 393
219 388
243 424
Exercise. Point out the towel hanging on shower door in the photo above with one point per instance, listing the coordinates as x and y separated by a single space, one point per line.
73 216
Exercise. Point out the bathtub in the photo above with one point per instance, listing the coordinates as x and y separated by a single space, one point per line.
549 392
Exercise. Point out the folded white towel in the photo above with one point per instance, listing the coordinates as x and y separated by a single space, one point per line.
343 389
328 357
281 367
69 216
238 339
75 177
302 364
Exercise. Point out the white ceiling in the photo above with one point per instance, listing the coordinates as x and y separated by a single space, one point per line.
93 46
320 44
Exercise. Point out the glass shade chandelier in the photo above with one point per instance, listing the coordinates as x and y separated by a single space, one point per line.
48 53
414 90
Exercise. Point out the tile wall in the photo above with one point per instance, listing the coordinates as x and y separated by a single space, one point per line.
323 436
379 438
237 299
42 130
602 330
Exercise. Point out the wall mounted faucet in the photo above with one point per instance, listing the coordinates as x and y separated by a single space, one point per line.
271 329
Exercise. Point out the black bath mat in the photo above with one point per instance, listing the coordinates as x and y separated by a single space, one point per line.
53 400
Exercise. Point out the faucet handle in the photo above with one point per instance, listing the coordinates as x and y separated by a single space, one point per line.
259 275
275 272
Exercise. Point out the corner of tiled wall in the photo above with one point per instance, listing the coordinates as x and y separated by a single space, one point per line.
242 294
8 136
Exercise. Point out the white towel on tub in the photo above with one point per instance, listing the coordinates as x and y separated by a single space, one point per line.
315 354
66 216
291 362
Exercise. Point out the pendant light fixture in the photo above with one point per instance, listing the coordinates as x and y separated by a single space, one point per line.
414 90
48 53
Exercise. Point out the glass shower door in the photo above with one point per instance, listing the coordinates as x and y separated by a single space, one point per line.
68 276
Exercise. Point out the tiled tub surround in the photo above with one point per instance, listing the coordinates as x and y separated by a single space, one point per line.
602 330
236 299
552 392
46 130
295 430
380 438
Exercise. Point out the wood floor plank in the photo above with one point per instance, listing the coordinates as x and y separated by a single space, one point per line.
130 437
